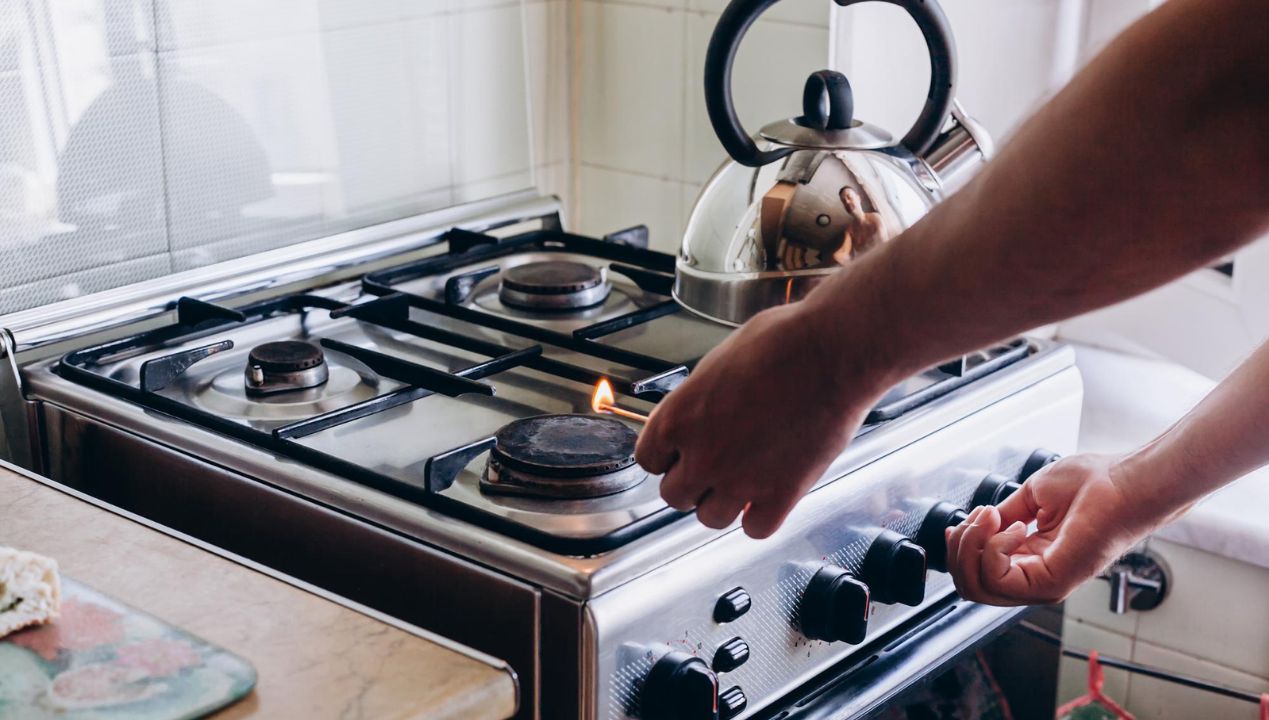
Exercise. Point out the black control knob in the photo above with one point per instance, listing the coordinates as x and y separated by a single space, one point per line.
1038 460
834 607
679 687
732 605
731 655
731 702
930 536
894 568
993 490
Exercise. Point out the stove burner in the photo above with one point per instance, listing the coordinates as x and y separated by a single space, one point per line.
554 285
563 456
285 365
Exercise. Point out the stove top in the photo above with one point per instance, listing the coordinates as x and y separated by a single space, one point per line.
461 382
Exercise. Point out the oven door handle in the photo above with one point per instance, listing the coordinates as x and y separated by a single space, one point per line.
869 681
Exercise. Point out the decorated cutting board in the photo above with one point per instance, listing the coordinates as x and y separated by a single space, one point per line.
103 660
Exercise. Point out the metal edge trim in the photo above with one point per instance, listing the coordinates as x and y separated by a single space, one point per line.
411 629
259 272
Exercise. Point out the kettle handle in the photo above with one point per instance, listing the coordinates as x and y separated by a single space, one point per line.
740 15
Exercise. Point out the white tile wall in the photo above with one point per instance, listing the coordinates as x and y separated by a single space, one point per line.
634 79
207 130
1011 55
1214 625
611 200
646 144
1151 699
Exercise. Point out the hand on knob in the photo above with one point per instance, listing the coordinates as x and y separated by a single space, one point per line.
1084 521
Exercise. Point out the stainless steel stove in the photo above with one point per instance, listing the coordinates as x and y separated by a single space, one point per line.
404 417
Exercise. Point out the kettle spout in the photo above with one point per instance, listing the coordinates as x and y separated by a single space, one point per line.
959 151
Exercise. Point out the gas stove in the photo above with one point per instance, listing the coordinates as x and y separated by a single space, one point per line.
415 431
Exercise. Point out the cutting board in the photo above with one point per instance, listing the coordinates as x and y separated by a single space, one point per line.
103 660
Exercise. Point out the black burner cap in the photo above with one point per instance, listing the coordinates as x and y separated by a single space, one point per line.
566 446
552 277
286 356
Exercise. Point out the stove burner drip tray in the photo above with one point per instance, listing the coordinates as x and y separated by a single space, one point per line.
563 457
285 365
554 285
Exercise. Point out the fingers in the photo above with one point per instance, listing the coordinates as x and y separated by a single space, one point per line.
678 490
718 510
970 550
654 452
763 518
998 575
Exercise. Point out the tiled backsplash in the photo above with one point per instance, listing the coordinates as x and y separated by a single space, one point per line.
144 137
646 146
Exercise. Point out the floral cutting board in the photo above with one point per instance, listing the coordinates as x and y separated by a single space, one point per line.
103 660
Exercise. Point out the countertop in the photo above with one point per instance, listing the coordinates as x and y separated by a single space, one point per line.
317 656
1129 400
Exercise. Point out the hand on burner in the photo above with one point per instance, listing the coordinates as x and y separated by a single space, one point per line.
758 421
1084 521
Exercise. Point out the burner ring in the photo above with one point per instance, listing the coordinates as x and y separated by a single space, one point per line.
563 457
566 446
286 356
285 365
554 285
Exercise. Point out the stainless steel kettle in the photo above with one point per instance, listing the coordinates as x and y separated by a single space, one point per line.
824 187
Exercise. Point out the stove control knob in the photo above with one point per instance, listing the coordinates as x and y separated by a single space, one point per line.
993 490
731 702
732 605
1038 460
731 655
679 687
941 517
894 567
834 607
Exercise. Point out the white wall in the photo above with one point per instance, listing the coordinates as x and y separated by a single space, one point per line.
645 146
143 137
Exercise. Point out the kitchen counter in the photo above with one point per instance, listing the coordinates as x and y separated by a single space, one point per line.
317 656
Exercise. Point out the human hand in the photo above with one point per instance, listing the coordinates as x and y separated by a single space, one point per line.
1085 520
759 420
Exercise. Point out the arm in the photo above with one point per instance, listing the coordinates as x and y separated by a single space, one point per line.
1089 510
1151 163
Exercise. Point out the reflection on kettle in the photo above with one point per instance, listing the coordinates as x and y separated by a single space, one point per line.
824 209
824 187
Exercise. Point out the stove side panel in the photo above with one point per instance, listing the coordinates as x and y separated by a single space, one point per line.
405 579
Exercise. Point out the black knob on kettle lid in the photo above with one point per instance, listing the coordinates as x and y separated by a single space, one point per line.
828 103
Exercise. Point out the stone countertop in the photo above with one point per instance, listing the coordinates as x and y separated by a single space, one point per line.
1127 402
317 656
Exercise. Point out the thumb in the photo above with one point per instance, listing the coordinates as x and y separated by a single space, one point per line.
1019 507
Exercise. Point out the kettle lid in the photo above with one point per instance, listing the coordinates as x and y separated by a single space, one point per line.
827 121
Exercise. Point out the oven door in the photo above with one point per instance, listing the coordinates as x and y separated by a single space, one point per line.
955 654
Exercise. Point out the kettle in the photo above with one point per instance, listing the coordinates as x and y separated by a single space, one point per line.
824 187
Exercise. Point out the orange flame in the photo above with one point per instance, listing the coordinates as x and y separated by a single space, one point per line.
603 401
603 397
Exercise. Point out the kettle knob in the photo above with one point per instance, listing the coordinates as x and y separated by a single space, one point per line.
831 88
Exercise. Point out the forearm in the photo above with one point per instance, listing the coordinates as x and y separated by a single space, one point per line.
1151 163
1219 441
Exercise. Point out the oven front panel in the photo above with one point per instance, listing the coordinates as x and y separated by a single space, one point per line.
672 608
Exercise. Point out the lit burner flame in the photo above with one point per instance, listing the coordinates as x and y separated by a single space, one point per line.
603 401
